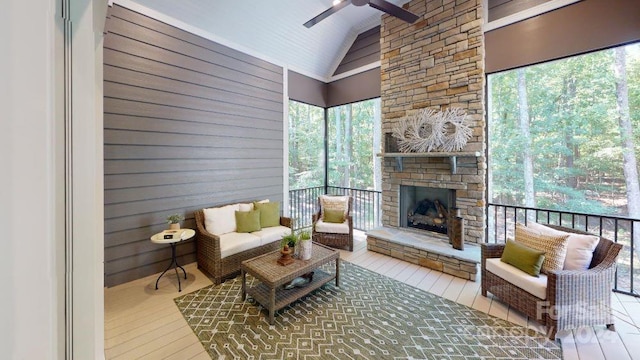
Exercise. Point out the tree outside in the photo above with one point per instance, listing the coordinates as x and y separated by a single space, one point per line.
306 146
354 142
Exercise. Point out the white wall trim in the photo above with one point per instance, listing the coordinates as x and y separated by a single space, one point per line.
526 14
355 71
285 142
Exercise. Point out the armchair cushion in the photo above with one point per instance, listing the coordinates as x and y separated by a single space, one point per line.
271 234
333 216
221 220
536 286
522 257
234 242
333 228
580 247
554 247
331 202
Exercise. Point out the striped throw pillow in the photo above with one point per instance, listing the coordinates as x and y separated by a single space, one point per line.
554 247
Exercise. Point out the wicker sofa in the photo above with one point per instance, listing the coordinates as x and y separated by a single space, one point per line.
211 256
573 297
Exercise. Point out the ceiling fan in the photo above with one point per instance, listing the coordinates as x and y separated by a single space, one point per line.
381 5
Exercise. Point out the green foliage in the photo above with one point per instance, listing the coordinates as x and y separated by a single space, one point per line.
291 240
351 143
306 145
575 135
174 218
304 235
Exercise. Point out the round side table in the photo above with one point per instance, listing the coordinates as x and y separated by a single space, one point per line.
166 238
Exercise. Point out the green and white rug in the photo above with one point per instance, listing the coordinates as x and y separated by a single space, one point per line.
370 316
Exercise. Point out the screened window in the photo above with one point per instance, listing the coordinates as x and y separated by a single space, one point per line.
353 141
565 134
306 146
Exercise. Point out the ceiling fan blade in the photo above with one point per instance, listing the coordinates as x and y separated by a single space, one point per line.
323 15
394 10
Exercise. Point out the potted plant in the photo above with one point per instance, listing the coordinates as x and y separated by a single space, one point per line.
305 247
174 221
289 240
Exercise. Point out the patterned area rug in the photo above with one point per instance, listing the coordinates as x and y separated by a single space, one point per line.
370 316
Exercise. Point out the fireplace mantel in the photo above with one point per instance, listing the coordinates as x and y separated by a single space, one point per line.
451 155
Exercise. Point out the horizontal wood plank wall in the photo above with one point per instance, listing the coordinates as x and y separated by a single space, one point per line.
189 124
364 51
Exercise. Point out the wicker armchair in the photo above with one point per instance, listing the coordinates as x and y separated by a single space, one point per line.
574 298
208 251
338 240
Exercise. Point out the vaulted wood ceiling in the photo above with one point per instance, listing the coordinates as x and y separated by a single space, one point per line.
273 29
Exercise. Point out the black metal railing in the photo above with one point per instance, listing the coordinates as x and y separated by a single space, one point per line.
501 220
366 209
303 203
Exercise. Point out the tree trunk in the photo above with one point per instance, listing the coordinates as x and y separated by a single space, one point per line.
377 143
523 105
567 111
348 148
629 162
337 158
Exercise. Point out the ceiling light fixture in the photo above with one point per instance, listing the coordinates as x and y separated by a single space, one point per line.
336 2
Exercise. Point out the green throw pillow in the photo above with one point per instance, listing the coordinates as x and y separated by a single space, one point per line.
333 216
522 257
248 221
269 213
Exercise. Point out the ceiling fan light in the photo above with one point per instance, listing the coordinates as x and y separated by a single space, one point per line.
336 2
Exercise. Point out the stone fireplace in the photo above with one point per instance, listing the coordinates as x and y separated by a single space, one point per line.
436 63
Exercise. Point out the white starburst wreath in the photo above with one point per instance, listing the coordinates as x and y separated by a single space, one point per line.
428 130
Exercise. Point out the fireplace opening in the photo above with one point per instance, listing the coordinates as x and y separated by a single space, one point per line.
426 208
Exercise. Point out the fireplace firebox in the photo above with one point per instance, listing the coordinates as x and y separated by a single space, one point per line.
426 208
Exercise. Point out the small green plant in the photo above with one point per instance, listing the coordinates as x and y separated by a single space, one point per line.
290 240
174 218
304 235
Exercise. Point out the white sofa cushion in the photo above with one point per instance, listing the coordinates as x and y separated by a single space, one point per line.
334 228
580 247
221 220
246 207
270 234
536 286
233 243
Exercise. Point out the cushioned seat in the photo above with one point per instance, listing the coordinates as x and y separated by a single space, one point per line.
233 243
536 286
271 234
327 227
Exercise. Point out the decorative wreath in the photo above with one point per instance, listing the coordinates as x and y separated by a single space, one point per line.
429 130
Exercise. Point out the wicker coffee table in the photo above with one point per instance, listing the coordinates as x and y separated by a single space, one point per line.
269 292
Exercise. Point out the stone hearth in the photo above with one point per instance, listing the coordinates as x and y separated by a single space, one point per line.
428 251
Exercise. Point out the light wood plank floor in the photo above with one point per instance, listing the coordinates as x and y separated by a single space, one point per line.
144 323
